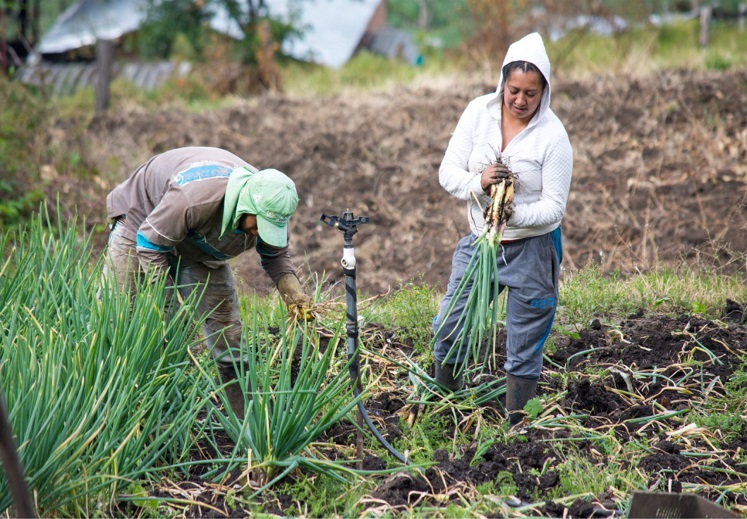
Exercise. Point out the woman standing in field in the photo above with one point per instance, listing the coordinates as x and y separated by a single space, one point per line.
516 124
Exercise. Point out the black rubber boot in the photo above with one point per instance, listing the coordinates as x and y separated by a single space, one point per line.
233 390
445 376
518 392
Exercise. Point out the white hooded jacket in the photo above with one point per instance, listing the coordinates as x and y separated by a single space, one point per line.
540 155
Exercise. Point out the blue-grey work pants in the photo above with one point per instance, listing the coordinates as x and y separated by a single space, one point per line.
529 269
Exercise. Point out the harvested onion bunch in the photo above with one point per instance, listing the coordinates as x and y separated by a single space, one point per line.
480 315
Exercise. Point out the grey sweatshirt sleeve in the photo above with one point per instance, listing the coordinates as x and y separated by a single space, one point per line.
275 262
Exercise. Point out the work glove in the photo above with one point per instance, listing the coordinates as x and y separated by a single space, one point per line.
299 304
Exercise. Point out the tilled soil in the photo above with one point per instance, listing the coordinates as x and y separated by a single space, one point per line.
660 177
660 170
612 384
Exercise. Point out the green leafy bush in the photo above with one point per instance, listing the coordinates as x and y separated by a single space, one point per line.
21 119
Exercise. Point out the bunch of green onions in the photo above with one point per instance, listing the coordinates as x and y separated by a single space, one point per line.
481 315
296 390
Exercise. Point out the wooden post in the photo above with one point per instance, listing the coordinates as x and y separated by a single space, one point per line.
742 13
104 59
3 44
19 492
705 21
422 15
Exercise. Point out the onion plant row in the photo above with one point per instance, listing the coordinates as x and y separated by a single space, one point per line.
99 391
296 389
104 392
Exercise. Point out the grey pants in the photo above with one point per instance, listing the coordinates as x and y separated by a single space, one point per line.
529 268
222 328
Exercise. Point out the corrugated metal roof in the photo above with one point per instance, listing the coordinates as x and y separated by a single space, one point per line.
331 29
65 78
86 21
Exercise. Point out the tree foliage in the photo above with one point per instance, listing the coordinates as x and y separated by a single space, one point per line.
251 18
157 36
21 121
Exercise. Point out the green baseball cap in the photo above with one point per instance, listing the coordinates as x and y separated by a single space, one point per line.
268 194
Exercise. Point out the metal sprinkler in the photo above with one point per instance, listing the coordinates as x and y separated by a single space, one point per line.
348 224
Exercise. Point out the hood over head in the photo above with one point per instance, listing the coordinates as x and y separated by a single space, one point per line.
268 194
530 48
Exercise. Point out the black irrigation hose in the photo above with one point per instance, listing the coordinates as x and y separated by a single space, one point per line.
374 430
355 374
352 330
348 224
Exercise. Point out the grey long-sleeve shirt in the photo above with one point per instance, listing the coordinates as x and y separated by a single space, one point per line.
174 206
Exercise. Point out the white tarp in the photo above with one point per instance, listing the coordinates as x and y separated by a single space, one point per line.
86 21
331 29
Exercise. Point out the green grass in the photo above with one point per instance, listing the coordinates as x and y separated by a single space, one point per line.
642 50
727 413
22 120
365 71
327 497
587 293
579 475
409 310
